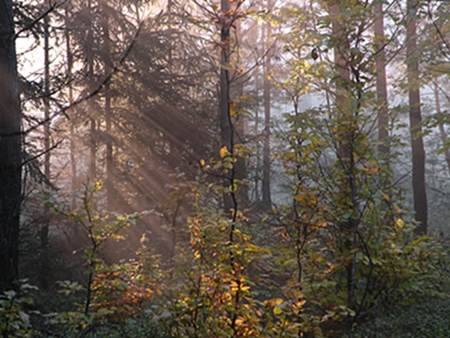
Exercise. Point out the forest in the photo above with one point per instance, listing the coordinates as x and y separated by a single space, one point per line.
228 168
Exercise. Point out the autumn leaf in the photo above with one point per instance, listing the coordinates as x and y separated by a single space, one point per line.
223 152
277 311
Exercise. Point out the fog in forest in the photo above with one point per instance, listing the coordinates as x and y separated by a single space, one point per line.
232 168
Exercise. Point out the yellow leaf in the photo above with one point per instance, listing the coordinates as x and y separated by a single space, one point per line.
299 198
239 320
98 185
277 311
400 223
202 163
278 301
223 151
245 288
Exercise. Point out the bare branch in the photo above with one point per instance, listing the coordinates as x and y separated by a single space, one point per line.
40 17
84 98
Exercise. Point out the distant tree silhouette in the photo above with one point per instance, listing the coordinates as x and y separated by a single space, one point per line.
10 150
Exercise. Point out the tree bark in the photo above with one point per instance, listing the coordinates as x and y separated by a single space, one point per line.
10 151
226 127
108 112
380 64
346 115
266 193
415 119
73 163
46 222
258 143
93 130
442 131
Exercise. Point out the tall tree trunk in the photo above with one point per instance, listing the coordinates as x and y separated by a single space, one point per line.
93 150
226 126
442 131
241 173
380 61
346 115
73 164
258 143
108 112
93 130
415 119
10 151
46 221
240 127
266 193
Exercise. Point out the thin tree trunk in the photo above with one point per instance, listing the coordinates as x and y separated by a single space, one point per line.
227 141
240 128
226 126
169 19
442 131
266 193
10 151
108 113
380 61
93 129
73 163
346 115
257 179
93 150
258 146
415 118
46 221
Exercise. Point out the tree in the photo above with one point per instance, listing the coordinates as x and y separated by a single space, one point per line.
267 32
91 85
442 131
46 223
382 95
69 57
415 118
108 112
226 126
338 200
10 151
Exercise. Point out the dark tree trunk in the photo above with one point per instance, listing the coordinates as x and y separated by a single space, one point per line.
241 172
93 130
383 121
44 274
72 114
226 127
93 151
266 193
10 151
346 115
415 120
108 112
442 131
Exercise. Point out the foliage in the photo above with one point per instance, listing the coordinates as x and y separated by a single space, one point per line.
428 317
14 317
285 277
113 292
337 252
